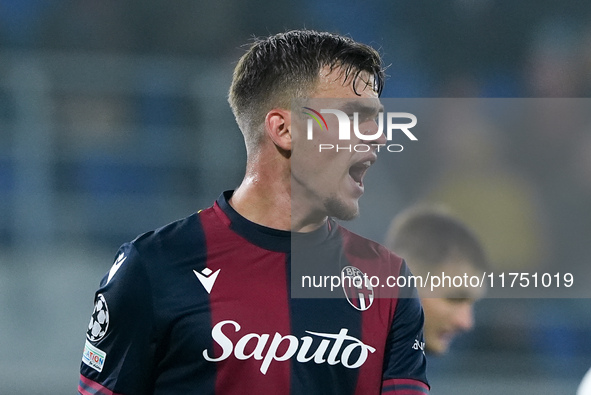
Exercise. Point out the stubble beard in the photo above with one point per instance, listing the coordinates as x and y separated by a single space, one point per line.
338 209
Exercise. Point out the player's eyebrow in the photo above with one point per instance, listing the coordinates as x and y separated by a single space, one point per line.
365 107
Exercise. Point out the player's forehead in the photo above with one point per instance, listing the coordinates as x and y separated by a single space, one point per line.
336 82
335 90
462 271
464 294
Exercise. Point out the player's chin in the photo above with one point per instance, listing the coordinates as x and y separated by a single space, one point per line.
343 209
443 344
437 349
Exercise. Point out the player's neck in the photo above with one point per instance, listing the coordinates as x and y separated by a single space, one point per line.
272 205
266 197
303 217
263 200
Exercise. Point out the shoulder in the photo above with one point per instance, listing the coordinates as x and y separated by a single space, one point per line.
175 235
150 253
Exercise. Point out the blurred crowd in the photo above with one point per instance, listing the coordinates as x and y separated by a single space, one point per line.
461 48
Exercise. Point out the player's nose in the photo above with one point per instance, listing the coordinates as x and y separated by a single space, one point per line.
379 138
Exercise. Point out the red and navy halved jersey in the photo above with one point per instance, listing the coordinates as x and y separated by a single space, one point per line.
203 306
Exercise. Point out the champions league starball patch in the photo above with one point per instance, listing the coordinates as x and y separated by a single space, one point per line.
99 321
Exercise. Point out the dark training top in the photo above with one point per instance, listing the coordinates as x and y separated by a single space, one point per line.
203 306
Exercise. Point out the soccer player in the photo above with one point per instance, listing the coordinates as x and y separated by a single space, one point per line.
203 305
436 243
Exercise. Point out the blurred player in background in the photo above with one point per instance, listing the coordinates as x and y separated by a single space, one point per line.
433 242
202 306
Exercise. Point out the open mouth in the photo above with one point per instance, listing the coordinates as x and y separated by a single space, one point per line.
357 171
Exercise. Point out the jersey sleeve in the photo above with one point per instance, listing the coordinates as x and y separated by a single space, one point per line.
119 351
405 362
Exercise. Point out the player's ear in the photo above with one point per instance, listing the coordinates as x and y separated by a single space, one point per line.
278 127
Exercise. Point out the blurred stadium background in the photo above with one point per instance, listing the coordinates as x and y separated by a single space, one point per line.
113 121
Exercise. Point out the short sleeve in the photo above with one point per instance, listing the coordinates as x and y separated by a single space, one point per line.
118 353
405 363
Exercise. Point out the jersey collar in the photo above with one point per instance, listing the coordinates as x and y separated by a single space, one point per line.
270 238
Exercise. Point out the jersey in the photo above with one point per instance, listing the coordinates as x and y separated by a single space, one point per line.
203 306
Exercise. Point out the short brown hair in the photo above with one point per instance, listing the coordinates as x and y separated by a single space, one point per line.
285 66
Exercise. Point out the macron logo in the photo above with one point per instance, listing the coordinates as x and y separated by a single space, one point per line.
207 278
118 262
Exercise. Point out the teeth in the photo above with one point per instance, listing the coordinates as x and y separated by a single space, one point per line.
366 163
